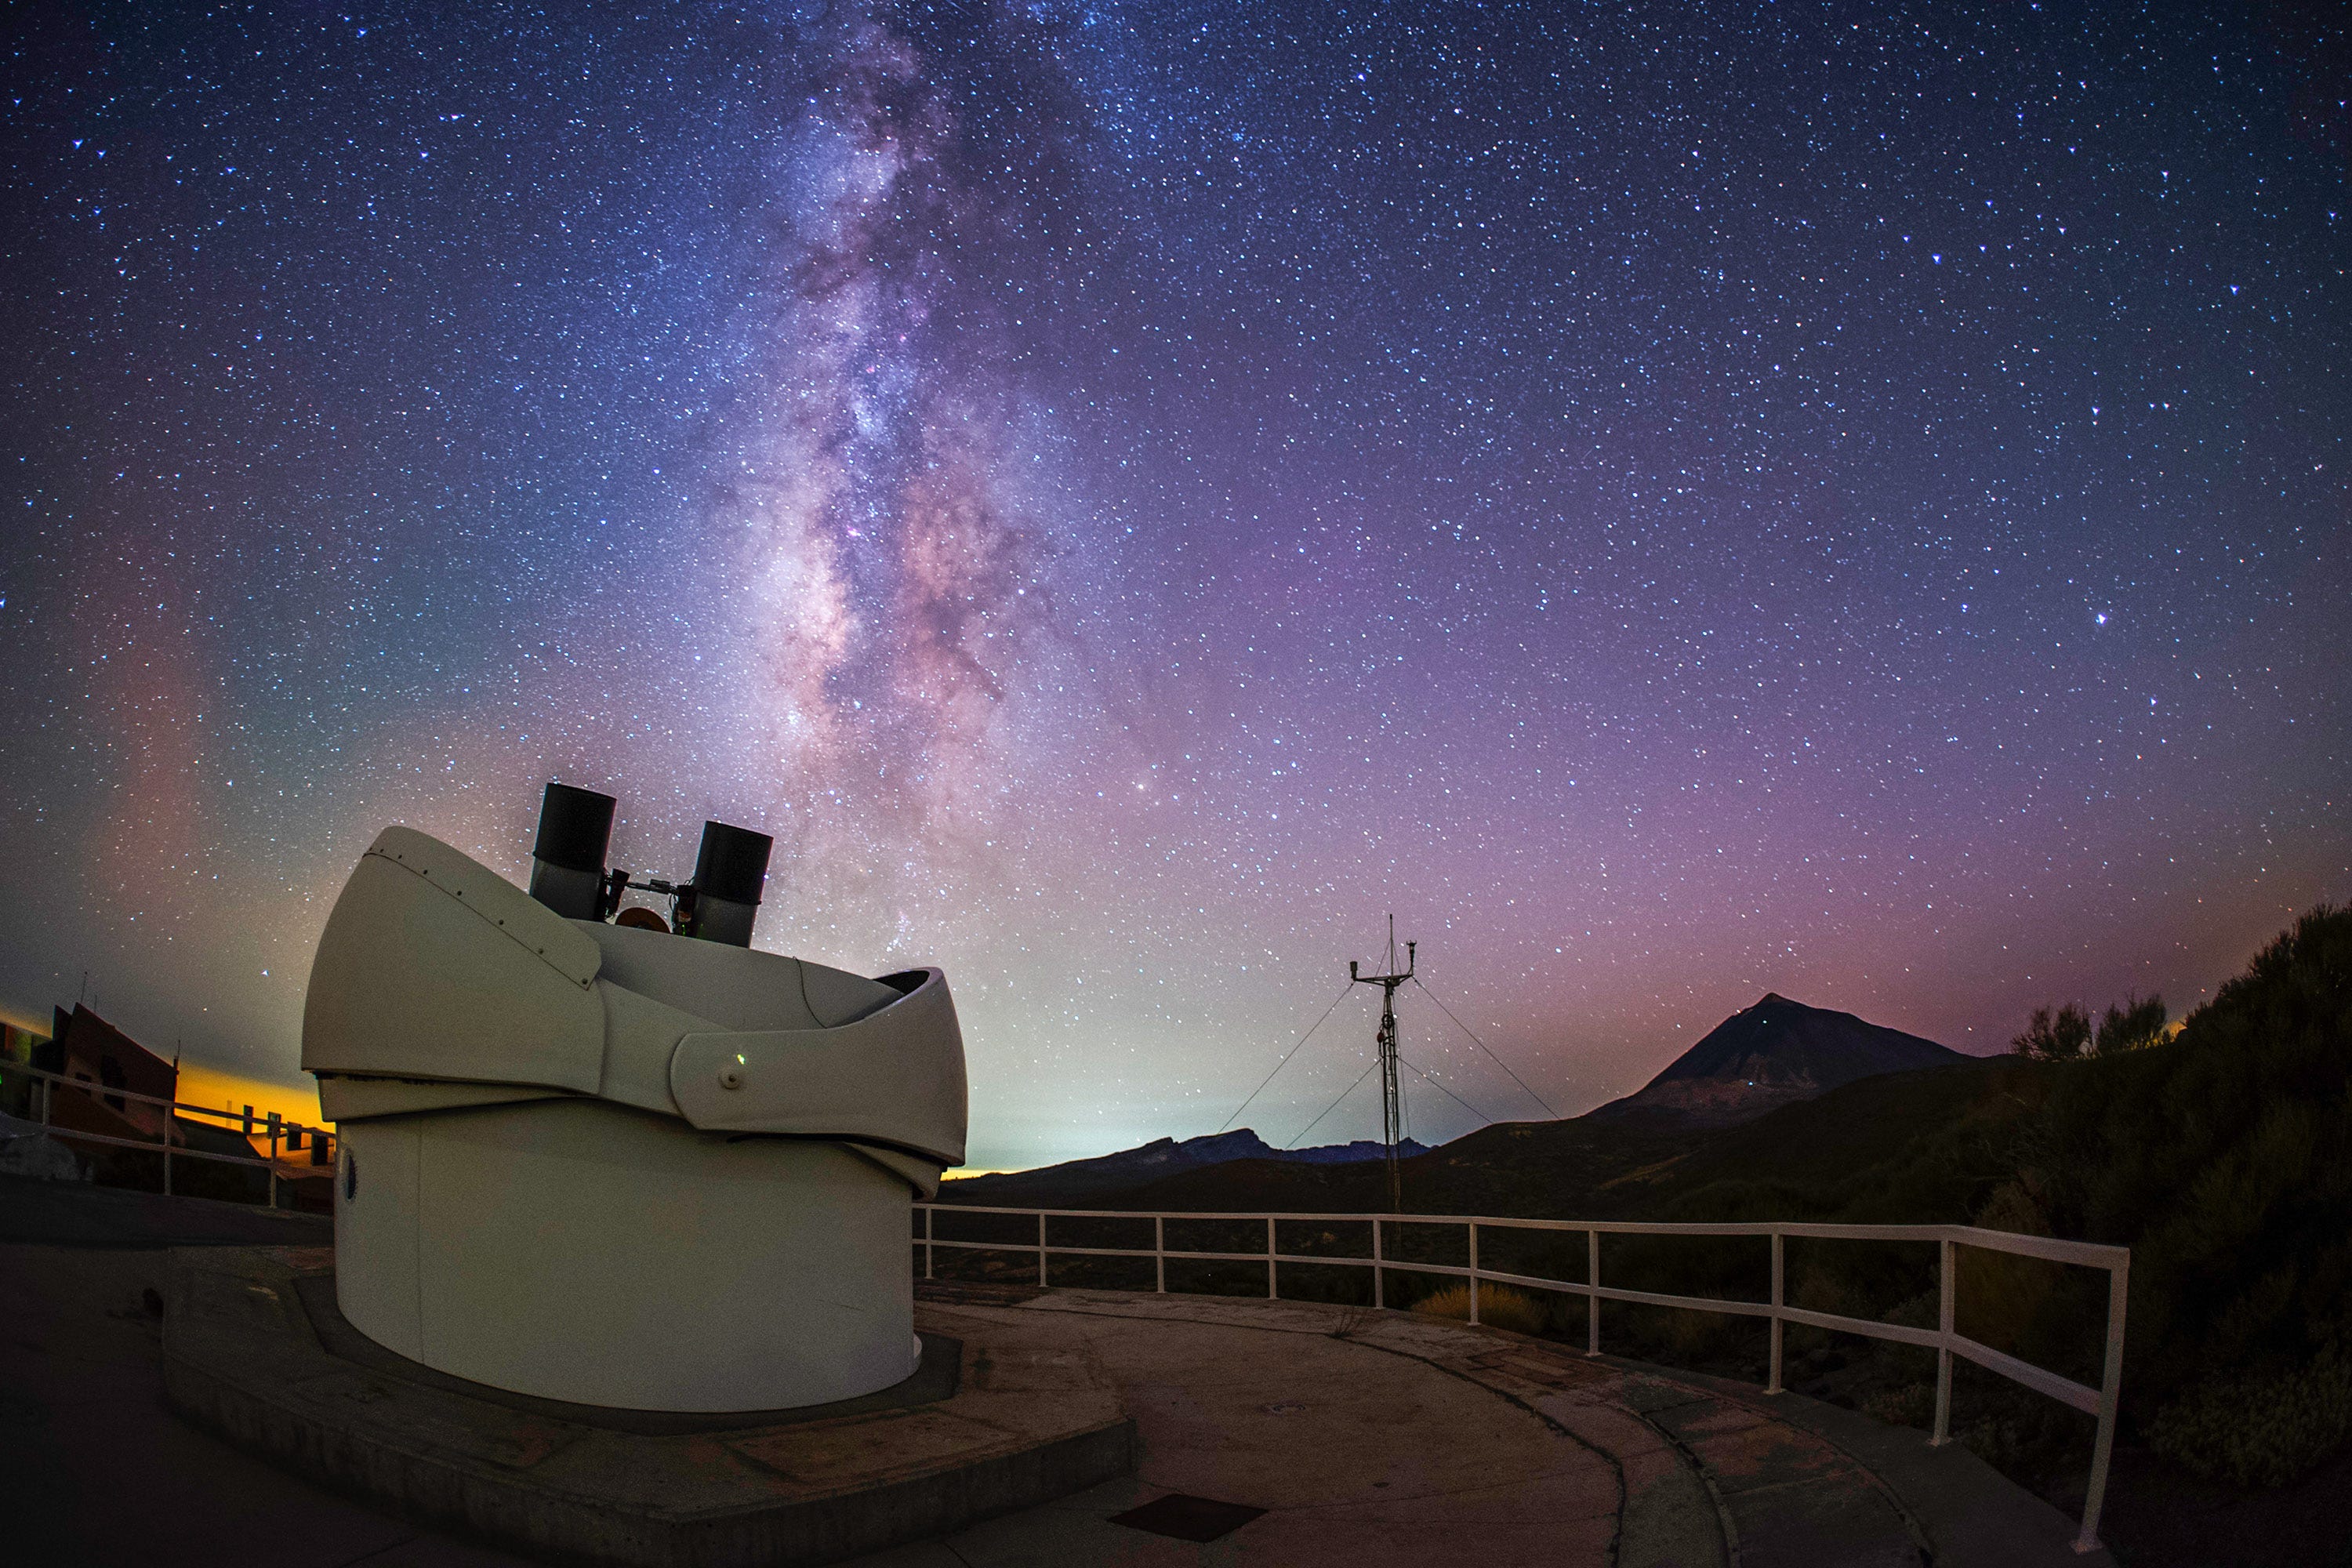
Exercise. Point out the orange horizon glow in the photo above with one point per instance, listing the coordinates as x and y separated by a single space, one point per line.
205 1085
201 1084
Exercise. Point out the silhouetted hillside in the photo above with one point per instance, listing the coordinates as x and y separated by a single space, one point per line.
2225 1160
1857 1145
1604 1164
2222 1157
1544 1168
1080 1182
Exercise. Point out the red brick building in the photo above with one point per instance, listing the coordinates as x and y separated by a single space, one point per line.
89 1049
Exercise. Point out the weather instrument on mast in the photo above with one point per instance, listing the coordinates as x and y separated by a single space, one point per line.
1391 1098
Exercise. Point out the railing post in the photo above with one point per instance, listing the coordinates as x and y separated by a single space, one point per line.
1591 1292
1041 1249
1773 1386
1379 1273
48 1093
930 1219
274 1130
1160 1253
167 1156
1270 1293
1474 1270
1946 1287
2103 1447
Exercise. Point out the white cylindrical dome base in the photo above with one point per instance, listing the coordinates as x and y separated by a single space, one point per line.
582 1251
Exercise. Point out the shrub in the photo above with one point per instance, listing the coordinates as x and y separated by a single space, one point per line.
2061 1037
2068 1036
1499 1306
2000 1294
1905 1405
2261 1428
2135 1026
1693 1337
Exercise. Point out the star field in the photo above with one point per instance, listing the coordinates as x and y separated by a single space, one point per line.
1673 502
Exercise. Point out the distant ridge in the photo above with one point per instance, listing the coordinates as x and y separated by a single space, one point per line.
1774 1054
1766 1056
1074 1179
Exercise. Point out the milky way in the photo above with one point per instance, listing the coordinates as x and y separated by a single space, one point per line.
1673 504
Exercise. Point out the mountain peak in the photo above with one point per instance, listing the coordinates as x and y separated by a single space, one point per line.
1766 1056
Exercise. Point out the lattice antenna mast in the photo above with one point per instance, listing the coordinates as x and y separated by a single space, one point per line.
1391 1097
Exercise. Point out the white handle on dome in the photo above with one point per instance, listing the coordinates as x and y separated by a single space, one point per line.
894 1078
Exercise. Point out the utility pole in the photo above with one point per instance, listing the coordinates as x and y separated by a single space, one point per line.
1391 1098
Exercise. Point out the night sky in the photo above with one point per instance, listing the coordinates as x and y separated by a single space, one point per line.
1676 502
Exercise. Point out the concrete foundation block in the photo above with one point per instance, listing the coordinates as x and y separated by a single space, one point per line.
254 1351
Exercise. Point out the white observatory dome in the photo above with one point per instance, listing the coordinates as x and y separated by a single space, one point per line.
616 1166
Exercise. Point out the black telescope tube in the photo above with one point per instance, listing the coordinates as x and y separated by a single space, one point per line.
567 858
729 872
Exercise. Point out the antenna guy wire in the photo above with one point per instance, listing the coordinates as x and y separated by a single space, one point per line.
1293 1051
1333 1106
1431 1078
1475 1040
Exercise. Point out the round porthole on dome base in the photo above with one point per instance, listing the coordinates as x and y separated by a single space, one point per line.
609 1165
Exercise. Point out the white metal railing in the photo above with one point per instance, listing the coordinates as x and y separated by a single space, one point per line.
276 1128
1945 1340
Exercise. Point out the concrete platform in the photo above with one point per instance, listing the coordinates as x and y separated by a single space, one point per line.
1310 1436
250 1352
1272 1432
1351 1436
